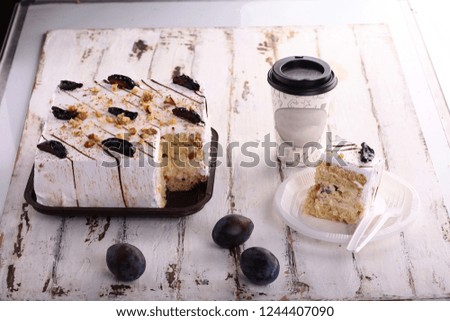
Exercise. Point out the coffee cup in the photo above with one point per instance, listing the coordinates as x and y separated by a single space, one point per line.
301 94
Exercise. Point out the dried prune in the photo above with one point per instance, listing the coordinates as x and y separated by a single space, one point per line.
118 145
366 153
53 147
186 82
121 81
259 265
69 85
125 261
232 230
117 111
64 114
187 114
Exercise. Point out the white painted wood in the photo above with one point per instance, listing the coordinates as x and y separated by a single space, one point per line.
429 94
407 156
44 257
342 280
354 114
102 51
252 186
208 271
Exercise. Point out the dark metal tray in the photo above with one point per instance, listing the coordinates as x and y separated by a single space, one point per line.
179 204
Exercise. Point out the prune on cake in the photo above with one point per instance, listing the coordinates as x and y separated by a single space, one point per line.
64 114
125 261
121 81
69 85
232 230
118 145
187 114
53 147
259 265
186 82
117 111
367 154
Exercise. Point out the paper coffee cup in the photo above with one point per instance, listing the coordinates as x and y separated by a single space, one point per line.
301 92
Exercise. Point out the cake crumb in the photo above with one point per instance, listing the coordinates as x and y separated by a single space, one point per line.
147 96
123 120
94 90
149 131
89 143
169 100
72 108
75 122
82 115
94 137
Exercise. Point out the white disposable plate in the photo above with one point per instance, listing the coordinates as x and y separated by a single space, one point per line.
291 193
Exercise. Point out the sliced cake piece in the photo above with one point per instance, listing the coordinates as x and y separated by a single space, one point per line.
180 112
346 182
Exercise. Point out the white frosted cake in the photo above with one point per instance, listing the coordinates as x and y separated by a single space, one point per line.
346 182
121 143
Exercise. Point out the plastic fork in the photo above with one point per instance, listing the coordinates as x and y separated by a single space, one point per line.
363 234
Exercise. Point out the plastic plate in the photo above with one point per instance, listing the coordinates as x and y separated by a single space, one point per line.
292 192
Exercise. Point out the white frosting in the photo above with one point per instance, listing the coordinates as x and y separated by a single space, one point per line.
89 176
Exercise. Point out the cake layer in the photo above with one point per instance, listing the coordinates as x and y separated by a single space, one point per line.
336 195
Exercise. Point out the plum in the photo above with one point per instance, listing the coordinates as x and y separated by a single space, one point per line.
259 265
232 230
125 261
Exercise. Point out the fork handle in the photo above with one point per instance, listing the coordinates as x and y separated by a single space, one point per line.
372 233
359 232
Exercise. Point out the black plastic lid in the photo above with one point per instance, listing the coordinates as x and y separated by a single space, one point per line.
302 76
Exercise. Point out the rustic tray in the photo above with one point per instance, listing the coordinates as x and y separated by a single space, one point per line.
179 204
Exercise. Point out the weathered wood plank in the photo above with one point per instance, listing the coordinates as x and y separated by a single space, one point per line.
86 240
316 279
208 271
425 245
164 237
32 250
353 116
253 182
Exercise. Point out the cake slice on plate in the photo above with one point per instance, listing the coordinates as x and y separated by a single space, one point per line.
346 182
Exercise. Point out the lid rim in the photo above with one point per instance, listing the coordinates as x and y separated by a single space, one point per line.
305 85
329 85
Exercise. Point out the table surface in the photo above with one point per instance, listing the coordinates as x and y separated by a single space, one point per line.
390 93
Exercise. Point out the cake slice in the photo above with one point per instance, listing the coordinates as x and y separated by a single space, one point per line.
346 182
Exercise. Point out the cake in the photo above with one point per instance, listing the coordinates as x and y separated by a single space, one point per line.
345 183
121 143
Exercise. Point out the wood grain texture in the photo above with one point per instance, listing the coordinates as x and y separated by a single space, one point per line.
43 257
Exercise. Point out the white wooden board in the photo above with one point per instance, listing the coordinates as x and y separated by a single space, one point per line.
43 257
